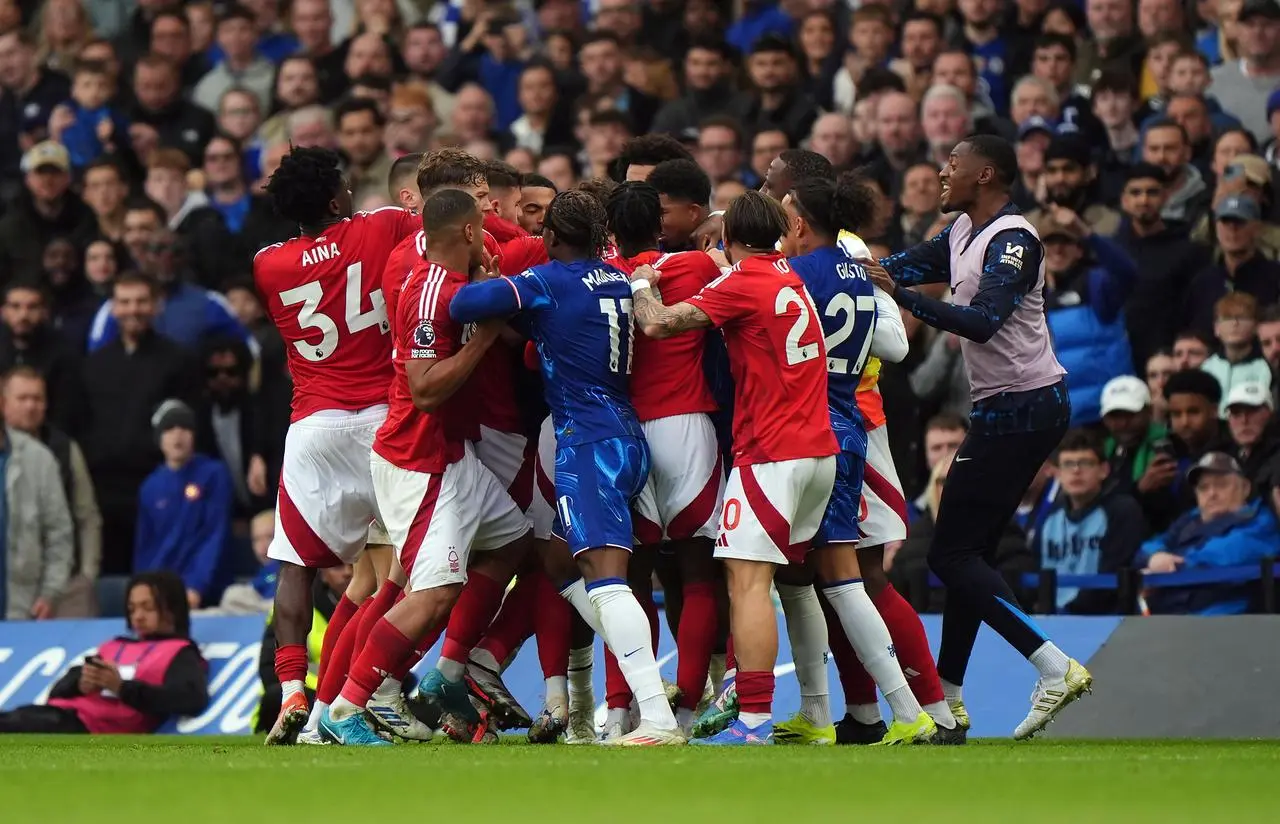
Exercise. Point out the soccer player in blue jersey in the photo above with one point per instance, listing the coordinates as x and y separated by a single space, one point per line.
846 301
578 310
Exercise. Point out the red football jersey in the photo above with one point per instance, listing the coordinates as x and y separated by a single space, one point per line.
405 257
667 377
409 438
325 296
778 360
399 267
521 253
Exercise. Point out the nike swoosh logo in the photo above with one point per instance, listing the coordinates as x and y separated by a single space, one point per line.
960 460
633 652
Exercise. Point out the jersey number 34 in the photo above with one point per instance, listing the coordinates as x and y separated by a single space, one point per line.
842 304
311 295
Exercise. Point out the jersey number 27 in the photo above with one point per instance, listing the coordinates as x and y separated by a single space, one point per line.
841 304
311 295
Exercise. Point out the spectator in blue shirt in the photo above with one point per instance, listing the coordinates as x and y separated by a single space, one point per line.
759 18
184 510
1225 529
188 315
1092 528
92 125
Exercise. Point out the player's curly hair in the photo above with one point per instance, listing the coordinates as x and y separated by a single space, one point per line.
829 206
170 595
681 180
598 187
308 178
804 164
755 221
578 221
650 150
635 215
449 167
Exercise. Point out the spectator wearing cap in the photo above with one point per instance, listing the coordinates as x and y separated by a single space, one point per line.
1034 136
28 95
1244 86
184 509
1113 102
1166 257
1068 179
1242 267
1254 436
708 87
125 382
46 209
775 100
1250 176
242 66
1239 361
1093 527
1225 529
1133 433
1088 278
1167 145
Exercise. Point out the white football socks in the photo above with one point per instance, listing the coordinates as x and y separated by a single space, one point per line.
1051 661
626 631
342 709
388 689
451 670
870 639
313 720
807 630
576 594
484 658
557 691
952 692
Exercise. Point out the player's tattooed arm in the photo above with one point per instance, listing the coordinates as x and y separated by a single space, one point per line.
655 319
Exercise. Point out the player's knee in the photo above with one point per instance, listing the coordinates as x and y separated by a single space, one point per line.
605 562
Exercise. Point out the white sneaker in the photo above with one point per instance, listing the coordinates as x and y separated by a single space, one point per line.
312 737
647 735
392 715
1051 696
582 722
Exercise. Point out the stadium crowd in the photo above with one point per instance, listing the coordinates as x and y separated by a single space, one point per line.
135 139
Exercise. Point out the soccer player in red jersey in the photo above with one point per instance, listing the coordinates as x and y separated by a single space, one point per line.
783 445
438 501
322 291
680 504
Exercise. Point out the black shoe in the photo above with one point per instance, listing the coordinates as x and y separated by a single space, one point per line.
849 731
955 736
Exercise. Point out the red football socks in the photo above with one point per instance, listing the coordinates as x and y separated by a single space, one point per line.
383 600
695 637
291 662
755 691
341 615
335 674
552 626
515 619
479 601
911 645
386 649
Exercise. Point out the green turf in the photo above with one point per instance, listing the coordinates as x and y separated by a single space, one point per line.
237 781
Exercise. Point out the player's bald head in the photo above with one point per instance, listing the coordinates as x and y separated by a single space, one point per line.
448 209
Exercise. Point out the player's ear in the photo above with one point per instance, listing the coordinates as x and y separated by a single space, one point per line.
469 232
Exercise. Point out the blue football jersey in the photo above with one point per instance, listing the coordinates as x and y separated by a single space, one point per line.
844 298
579 315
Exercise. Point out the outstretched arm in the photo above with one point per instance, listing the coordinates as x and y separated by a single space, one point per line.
655 319
497 298
927 262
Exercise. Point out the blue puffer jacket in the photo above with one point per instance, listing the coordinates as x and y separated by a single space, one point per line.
1243 537
1087 324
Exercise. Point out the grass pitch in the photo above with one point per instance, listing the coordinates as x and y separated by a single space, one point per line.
238 781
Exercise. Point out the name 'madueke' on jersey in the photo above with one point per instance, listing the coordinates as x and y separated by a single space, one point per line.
579 317
846 304
778 360
669 378
411 439
325 296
